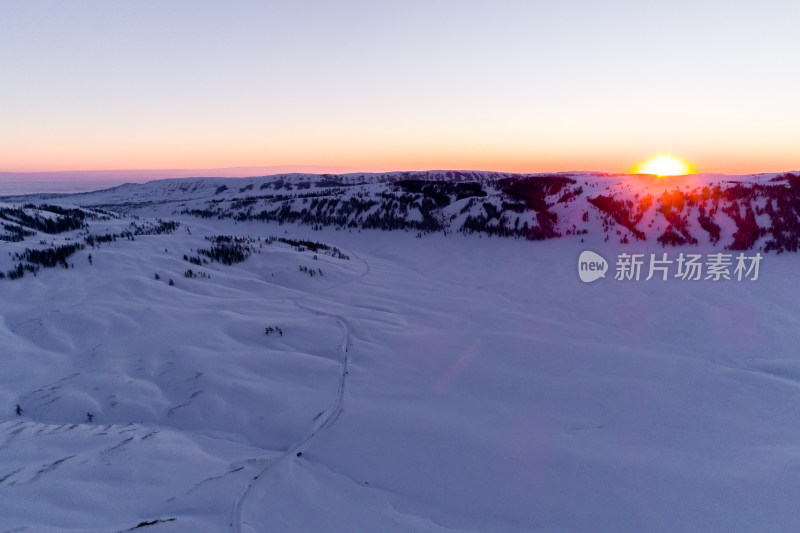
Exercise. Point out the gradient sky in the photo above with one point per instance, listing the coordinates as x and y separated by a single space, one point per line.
502 85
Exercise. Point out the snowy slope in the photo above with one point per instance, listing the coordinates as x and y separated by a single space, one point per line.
448 382
737 212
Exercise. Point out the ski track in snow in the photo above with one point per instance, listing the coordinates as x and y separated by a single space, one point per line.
326 418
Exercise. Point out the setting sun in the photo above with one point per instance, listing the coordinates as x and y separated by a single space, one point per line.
664 165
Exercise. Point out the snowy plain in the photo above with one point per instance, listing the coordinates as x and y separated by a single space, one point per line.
442 383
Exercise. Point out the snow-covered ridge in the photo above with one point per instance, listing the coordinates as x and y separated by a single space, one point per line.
736 212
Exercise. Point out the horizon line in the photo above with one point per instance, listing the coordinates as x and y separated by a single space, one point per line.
253 171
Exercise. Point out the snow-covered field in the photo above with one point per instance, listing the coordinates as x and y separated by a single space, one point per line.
443 383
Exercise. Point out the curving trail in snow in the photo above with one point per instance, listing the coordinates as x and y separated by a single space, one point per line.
330 415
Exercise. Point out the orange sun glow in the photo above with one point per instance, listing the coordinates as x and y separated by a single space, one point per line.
664 165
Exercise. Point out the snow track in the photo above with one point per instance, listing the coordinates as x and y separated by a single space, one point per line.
328 417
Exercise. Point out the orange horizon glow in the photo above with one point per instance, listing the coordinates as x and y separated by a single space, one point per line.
385 162
388 167
511 151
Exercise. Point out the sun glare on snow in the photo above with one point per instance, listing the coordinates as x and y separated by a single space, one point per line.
664 165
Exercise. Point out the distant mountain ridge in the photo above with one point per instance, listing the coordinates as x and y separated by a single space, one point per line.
759 211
